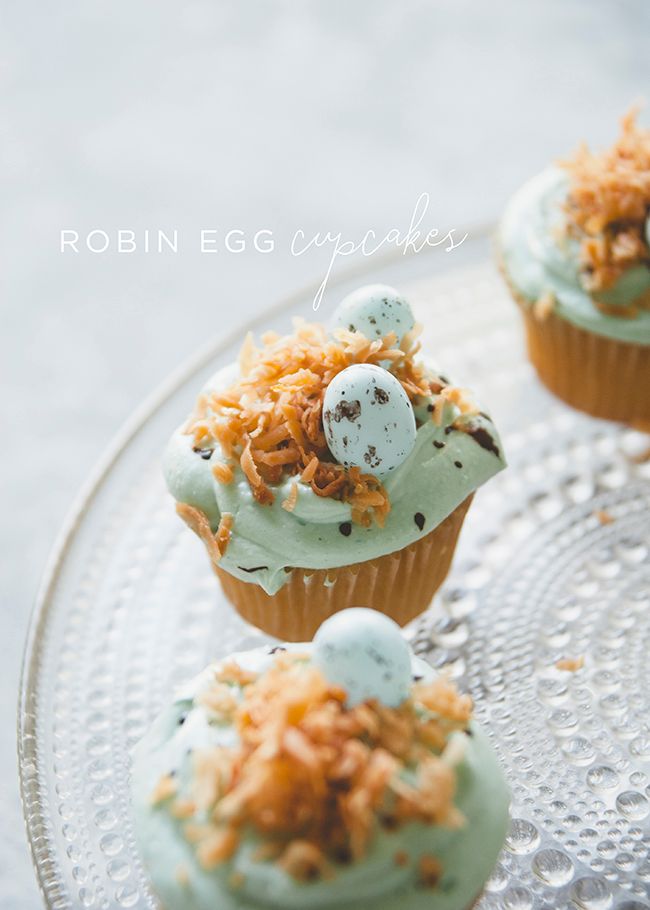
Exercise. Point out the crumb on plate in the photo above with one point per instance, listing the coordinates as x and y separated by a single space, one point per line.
570 664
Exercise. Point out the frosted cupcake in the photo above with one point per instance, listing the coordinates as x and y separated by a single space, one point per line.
344 774
573 245
329 468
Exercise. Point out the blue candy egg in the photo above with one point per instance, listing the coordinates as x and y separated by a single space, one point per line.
368 419
364 653
375 310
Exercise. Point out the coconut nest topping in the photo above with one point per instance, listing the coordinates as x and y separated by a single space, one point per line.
314 780
270 420
608 203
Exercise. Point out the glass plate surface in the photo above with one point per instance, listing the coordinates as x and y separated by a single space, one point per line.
129 609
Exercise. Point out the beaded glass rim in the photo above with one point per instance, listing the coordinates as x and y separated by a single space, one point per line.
552 564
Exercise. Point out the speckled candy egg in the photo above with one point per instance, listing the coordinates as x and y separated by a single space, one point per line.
375 310
369 421
364 653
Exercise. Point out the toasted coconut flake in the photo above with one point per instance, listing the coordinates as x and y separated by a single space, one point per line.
233 673
314 777
604 517
438 410
199 523
222 472
430 870
217 847
269 850
608 203
271 438
270 420
279 457
164 789
310 471
260 490
303 861
224 531
183 808
459 398
443 699
211 769
401 858
219 700
543 307
194 832
432 799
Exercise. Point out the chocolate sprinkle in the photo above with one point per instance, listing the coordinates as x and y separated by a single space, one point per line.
343 855
206 454
458 464
252 569
276 649
484 439
419 519
345 528
438 444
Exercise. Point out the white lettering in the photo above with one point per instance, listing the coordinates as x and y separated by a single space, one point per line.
268 245
172 244
241 243
97 233
208 241
69 241
126 241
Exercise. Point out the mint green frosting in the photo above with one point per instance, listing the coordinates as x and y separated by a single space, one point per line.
467 854
432 481
539 258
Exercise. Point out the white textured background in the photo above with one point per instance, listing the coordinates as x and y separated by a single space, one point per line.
331 115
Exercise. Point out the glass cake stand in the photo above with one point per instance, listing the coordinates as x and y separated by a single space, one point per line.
553 563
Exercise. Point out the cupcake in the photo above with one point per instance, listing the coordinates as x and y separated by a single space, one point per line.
329 468
343 773
573 246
